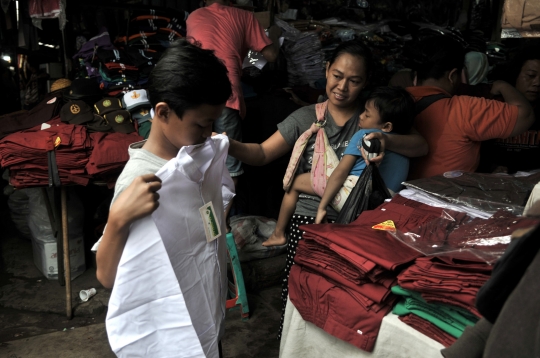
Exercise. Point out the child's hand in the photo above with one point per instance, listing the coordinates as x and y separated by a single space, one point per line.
321 216
379 158
138 200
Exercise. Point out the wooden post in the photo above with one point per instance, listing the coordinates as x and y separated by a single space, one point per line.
67 266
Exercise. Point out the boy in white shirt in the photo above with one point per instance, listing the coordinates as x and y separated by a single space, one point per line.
188 90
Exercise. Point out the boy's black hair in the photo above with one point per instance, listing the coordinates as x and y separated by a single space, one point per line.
187 76
395 105
436 55
355 48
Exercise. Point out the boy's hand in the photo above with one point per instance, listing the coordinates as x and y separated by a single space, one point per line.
379 158
321 216
138 200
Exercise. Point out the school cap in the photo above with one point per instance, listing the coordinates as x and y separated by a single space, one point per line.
120 121
76 112
107 105
141 115
136 99
60 84
85 89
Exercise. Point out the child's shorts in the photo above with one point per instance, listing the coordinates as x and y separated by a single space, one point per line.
344 192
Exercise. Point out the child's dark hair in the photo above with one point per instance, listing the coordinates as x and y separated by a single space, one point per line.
355 48
395 105
435 56
186 76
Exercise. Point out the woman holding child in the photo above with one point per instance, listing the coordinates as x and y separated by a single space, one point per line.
347 74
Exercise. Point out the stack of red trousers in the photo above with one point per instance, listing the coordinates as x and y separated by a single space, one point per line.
79 156
110 154
343 273
26 154
442 280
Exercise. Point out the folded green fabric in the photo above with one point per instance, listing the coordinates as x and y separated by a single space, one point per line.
452 320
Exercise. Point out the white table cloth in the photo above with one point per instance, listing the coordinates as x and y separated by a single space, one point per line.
301 339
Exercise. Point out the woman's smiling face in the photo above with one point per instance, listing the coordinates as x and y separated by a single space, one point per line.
346 77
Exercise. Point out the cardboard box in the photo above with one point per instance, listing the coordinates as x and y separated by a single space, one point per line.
45 258
264 18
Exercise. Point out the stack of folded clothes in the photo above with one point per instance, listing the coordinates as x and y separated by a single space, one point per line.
439 291
343 274
27 155
83 143
109 155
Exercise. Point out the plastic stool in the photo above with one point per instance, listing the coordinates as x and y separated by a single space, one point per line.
237 288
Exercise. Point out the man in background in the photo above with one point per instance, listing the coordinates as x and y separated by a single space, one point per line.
231 32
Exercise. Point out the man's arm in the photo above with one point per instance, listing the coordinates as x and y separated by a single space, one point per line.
410 145
137 201
260 154
271 52
512 96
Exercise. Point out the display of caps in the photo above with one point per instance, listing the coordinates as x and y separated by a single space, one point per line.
60 84
85 89
76 112
98 124
120 121
141 115
107 105
136 99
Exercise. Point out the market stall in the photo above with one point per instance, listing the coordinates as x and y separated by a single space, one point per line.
436 242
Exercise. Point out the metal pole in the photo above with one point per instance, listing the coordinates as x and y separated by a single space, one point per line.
67 267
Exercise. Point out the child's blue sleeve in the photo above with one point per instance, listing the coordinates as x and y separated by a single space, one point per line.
352 148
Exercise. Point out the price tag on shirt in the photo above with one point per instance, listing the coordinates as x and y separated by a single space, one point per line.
210 222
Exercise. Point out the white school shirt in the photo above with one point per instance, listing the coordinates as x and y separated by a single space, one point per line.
170 289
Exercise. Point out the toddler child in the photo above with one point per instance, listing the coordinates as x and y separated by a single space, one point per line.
387 109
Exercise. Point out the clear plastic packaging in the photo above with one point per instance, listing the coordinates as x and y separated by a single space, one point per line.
486 192
458 235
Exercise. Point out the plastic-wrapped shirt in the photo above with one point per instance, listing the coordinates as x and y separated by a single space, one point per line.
170 289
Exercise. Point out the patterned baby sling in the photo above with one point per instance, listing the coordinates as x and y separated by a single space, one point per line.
325 159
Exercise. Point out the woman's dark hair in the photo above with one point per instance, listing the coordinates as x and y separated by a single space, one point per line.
395 105
436 55
186 76
355 48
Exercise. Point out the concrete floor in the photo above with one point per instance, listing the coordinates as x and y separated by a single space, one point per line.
34 324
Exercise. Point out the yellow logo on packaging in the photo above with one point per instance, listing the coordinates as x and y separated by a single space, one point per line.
57 142
387 225
119 118
75 108
144 112
135 95
106 103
